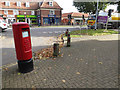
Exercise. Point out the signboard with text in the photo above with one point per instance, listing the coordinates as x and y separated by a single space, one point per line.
51 15
102 19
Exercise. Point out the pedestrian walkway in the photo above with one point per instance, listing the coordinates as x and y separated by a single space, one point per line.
88 63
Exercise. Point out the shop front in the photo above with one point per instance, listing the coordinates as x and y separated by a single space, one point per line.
51 20
30 19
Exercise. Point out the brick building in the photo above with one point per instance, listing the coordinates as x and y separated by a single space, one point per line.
76 18
41 12
50 13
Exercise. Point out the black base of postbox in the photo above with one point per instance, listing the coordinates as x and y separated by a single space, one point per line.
25 66
68 46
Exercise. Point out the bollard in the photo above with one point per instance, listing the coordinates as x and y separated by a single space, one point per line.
62 39
68 40
56 49
66 33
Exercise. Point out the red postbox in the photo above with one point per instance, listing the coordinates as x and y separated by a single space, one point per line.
22 39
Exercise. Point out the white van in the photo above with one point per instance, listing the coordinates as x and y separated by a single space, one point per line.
3 24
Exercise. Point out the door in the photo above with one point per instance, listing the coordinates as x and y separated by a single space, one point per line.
28 20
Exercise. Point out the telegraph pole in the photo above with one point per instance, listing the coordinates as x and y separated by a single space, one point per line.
96 15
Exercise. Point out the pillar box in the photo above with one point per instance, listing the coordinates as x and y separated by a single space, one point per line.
22 40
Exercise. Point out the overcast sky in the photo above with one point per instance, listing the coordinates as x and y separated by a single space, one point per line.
67 6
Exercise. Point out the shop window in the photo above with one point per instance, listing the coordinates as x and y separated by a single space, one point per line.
32 13
7 3
57 21
13 20
45 20
34 21
52 12
50 3
22 20
19 4
27 4
25 13
6 12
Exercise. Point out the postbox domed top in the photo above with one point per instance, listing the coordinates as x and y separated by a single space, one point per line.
20 24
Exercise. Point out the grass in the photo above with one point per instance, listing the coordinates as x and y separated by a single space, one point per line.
75 36
92 32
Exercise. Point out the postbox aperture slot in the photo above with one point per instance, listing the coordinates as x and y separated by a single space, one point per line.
25 28
25 34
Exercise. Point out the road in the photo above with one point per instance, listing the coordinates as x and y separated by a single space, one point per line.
40 37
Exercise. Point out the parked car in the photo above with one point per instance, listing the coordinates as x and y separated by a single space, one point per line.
3 24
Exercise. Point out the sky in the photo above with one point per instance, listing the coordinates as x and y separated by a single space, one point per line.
67 6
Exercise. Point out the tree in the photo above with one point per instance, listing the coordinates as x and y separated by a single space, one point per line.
89 7
118 8
118 3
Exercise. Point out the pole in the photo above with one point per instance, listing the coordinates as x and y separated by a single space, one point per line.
96 15
107 23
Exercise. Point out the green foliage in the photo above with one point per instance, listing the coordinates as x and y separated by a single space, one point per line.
118 3
89 7
118 8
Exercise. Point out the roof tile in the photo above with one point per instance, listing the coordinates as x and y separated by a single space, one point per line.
74 14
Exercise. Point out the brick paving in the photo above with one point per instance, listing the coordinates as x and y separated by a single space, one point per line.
88 63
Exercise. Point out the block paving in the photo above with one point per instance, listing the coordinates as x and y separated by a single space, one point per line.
86 64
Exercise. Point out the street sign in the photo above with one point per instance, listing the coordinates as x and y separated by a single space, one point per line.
51 15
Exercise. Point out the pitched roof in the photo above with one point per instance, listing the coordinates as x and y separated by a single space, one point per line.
45 4
33 5
74 14
66 14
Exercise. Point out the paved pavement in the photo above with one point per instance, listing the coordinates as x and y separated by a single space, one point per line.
88 63
40 37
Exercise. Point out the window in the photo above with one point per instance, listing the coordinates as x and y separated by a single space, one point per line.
15 12
32 12
50 3
24 12
52 12
27 4
19 4
7 3
6 12
38 12
45 20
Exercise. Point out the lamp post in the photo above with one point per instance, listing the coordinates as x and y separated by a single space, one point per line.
96 15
